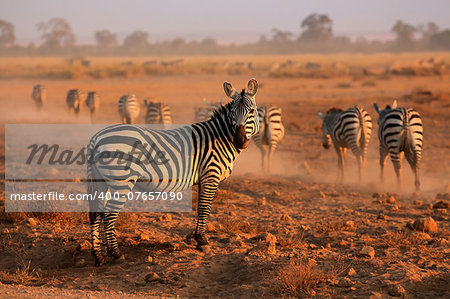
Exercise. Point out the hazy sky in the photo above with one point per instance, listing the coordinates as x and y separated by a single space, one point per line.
231 20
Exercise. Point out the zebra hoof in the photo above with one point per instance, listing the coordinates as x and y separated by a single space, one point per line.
99 261
201 239
204 248
119 259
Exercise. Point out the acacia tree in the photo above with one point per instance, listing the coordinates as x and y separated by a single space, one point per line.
105 38
137 39
428 30
56 33
280 36
7 36
316 28
404 33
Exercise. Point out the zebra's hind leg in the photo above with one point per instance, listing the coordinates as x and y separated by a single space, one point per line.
95 220
269 158
383 157
396 159
109 221
340 152
413 161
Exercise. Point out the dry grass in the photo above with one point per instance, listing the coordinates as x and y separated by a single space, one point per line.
399 239
230 225
23 274
131 67
291 241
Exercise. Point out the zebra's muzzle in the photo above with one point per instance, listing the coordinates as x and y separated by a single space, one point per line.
240 138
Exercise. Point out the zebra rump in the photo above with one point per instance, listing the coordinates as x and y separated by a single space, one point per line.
157 113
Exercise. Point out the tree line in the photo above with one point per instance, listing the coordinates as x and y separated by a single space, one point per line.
316 36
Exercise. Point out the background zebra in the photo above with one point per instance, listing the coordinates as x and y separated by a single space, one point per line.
400 133
157 113
39 95
200 154
128 108
93 102
206 111
271 132
347 129
73 100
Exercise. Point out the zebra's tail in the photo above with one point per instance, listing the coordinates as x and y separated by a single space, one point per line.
365 130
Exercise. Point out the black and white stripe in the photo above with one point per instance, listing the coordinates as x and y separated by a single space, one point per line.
206 111
271 132
128 108
39 95
73 100
347 129
211 146
93 103
400 132
157 113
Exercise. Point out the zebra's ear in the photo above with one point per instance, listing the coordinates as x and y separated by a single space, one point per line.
394 105
377 109
252 87
321 115
229 90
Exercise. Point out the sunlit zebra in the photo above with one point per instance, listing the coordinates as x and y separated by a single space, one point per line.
206 111
73 100
271 132
128 108
157 113
400 132
347 129
93 103
199 154
39 95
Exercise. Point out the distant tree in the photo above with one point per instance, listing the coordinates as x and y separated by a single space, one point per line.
428 30
7 36
404 33
316 28
281 36
178 43
56 33
105 38
441 40
137 39
208 42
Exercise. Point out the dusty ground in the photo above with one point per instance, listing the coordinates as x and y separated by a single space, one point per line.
320 227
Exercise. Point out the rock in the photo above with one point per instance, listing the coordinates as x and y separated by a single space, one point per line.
426 224
441 205
86 245
397 291
351 272
149 259
129 242
268 237
262 202
349 224
204 248
381 216
267 243
391 199
322 194
375 295
394 208
276 193
31 221
151 277
165 217
368 251
285 218
418 202
421 235
144 236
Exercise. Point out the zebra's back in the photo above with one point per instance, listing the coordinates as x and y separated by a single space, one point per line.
158 113
205 112
128 107
93 101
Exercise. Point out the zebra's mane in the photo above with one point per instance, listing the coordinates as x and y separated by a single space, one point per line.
222 110
334 110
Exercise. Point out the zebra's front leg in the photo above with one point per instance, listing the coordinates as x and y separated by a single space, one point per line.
205 197
95 220
263 157
269 158
340 153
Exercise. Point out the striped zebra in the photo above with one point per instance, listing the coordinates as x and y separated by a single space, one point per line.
200 154
157 113
347 129
206 111
73 100
271 132
128 108
92 102
39 95
400 133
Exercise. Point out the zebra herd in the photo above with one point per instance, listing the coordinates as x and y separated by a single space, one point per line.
204 152
400 133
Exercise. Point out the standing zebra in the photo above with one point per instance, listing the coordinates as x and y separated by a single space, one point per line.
39 95
128 108
73 100
347 129
206 111
271 132
157 113
401 133
200 154
93 102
